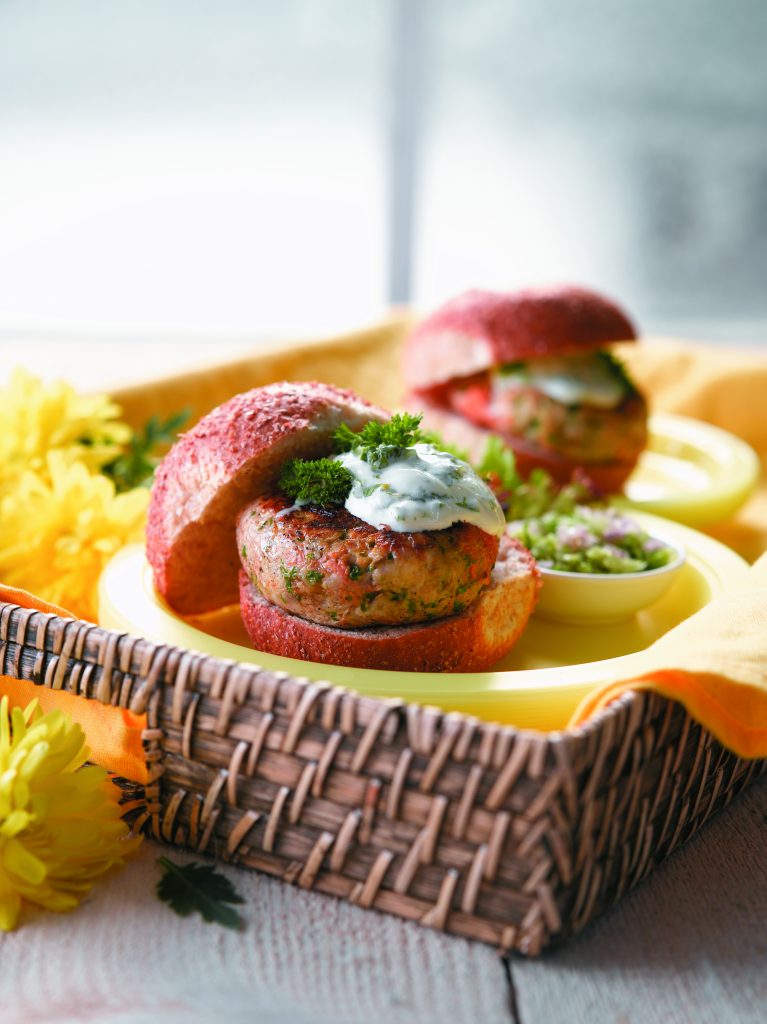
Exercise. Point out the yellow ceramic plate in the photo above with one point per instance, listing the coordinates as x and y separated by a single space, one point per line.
537 686
692 472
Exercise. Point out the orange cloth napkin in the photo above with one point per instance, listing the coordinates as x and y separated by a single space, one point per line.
113 734
715 663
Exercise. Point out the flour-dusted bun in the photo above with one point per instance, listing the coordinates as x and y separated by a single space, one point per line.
481 329
472 641
232 455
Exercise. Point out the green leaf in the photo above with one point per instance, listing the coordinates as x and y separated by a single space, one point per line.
618 371
344 439
378 443
317 482
190 888
498 460
136 465
401 431
538 494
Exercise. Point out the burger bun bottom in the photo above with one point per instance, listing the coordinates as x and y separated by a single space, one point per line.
472 641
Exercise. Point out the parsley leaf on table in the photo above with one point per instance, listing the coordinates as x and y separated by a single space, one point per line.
187 888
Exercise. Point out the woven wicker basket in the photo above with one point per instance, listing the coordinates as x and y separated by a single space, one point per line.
513 838
510 837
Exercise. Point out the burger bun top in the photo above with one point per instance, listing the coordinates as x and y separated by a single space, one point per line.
231 456
481 329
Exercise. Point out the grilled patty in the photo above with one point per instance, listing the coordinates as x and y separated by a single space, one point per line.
578 432
327 566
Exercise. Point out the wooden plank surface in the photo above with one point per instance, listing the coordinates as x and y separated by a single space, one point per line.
689 946
125 958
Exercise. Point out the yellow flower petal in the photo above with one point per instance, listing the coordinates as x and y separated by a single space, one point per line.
56 540
10 905
37 418
17 860
60 824
14 822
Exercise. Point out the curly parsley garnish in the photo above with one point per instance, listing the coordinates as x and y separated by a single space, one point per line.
327 482
380 443
317 482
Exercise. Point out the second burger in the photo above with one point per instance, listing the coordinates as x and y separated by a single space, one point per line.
534 368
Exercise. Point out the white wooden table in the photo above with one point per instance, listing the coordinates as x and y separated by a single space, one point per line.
690 945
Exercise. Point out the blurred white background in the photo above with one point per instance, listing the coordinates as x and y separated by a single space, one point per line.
250 168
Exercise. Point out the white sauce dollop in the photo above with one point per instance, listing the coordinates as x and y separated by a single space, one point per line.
422 489
571 380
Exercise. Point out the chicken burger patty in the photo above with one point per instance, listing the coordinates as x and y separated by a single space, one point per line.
579 432
328 566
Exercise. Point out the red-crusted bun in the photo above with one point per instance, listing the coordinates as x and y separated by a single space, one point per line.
481 329
472 641
228 466
451 366
232 455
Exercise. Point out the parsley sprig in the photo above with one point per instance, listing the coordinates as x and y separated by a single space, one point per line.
316 482
326 481
379 443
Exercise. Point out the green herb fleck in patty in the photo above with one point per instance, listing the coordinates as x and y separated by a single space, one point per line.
289 576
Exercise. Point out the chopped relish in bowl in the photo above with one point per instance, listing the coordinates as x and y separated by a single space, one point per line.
591 540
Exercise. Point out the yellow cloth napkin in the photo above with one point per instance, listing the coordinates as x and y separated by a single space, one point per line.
715 663
722 386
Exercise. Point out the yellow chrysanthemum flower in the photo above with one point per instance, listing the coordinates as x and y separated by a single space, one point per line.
58 528
37 418
60 824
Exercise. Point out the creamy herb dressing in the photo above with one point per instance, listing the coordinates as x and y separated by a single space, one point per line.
421 489
571 380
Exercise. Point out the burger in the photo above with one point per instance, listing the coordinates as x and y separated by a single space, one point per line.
346 536
534 368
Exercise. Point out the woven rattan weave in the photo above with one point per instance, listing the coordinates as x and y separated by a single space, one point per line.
513 838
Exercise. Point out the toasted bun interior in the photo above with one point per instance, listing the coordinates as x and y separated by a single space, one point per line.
470 642
232 455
